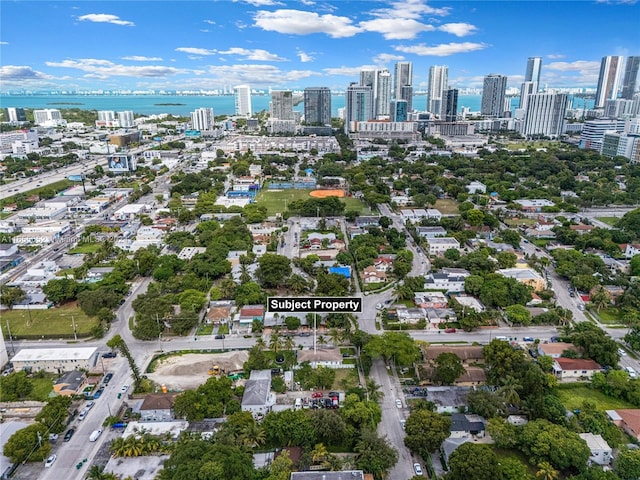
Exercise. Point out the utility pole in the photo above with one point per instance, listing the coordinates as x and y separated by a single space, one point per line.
159 332
73 324
13 348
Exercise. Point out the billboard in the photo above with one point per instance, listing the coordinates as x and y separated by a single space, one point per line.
121 163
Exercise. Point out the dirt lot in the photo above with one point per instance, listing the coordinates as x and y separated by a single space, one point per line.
183 372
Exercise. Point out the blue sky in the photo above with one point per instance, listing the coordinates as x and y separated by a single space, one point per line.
267 43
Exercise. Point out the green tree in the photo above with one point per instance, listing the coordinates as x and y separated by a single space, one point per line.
360 413
117 342
15 386
273 270
627 464
9 296
61 290
54 414
374 454
425 431
28 444
513 469
473 461
448 368
546 471
396 346
281 467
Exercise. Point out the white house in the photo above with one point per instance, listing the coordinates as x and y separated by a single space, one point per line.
439 245
323 357
56 360
599 448
631 250
258 398
476 187
447 281
431 232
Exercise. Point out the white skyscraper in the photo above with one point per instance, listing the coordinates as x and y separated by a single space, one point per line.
609 80
243 99
382 93
534 67
545 115
282 104
107 116
202 119
527 88
48 117
438 82
358 105
403 76
125 119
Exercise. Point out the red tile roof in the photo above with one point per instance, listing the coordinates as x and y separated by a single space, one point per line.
577 364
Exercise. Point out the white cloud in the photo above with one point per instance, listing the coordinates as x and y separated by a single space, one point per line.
618 2
555 55
442 50
384 58
196 51
4 43
348 71
409 9
21 72
582 66
105 18
307 2
261 3
395 28
98 68
139 58
258 75
256 54
298 22
210 22
458 29
304 57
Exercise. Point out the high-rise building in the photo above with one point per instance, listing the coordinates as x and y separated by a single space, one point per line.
449 110
534 66
48 116
398 110
202 119
545 115
358 105
317 105
243 99
106 116
438 82
493 93
382 93
368 78
630 77
527 88
403 76
14 114
609 80
125 119
407 95
282 104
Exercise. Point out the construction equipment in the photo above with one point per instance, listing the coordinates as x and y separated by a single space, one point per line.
215 370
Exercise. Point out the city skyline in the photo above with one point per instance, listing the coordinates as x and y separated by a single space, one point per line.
292 45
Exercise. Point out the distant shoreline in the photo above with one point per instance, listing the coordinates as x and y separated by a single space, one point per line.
169 104
65 103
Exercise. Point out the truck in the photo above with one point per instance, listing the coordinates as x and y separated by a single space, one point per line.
215 370
95 434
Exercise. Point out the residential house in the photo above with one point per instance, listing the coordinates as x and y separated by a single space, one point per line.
575 368
383 264
219 312
56 360
467 301
430 299
555 349
466 353
436 316
526 276
600 451
368 221
628 420
410 315
325 475
476 187
631 250
233 257
249 313
448 281
157 407
448 399
371 275
70 383
466 426
534 205
322 357
543 224
97 274
187 253
431 232
258 398
581 228
439 245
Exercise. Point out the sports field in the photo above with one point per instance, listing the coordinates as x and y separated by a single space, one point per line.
276 200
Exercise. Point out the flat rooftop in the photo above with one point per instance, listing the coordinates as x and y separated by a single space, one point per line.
53 354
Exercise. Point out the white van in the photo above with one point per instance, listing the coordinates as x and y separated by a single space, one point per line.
95 434
632 373
500 337
298 404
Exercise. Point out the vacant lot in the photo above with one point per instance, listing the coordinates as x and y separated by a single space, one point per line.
447 206
50 323
572 399
609 220
275 200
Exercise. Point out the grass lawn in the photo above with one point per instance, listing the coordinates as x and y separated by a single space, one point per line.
275 201
610 316
86 248
608 220
345 379
50 323
516 222
572 399
205 329
447 206
42 387
526 145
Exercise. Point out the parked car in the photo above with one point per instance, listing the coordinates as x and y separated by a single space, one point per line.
109 355
95 434
449 330
83 414
527 339
622 353
98 394
69 434
107 378
417 468
219 337
89 405
398 403
50 460
317 395
124 388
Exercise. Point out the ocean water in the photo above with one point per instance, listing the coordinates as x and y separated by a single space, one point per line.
185 104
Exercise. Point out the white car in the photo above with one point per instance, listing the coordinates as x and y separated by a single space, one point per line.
403 423
378 306
398 403
417 468
124 388
89 405
622 352
50 460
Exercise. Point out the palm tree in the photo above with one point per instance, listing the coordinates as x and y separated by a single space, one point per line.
373 390
274 342
297 283
260 343
547 472
319 453
252 435
289 343
600 298
509 390
245 276
321 340
118 447
96 472
335 335
333 463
